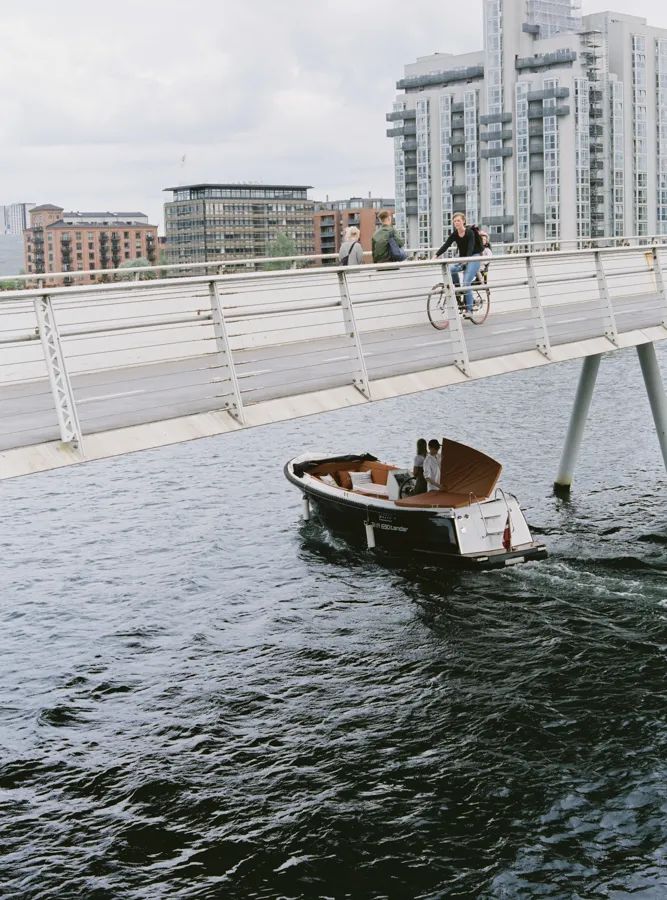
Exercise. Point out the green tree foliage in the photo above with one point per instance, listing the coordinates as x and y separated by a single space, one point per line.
9 285
283 245
139 263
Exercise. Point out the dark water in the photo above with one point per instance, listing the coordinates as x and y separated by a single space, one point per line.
200 697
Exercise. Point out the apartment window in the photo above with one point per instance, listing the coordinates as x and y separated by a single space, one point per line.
78 235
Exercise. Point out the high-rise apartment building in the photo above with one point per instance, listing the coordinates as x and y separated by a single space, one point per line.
332 217
557 130
59 241
211 221
14 218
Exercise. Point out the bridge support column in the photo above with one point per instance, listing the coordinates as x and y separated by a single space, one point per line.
656 392
575 431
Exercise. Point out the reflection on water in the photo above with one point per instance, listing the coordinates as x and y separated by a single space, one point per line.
203 697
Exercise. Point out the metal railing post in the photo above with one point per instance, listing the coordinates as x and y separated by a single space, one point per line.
61 388
461 360
660 284
233 405
361 381
542 334
610 332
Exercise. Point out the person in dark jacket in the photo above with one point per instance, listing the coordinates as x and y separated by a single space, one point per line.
464 238
381 237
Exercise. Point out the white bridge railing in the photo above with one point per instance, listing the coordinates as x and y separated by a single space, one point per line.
78 363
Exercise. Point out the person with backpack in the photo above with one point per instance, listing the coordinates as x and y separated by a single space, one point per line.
469 243
351 252
387 242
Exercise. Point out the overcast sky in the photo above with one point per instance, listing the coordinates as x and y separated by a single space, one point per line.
101 102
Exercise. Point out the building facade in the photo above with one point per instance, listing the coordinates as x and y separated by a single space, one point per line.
59 241
332 217
555 131
210 222
14 218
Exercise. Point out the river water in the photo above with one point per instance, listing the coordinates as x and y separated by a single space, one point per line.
200 696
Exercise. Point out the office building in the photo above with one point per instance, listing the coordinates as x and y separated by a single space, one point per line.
205 222
332 217
556 130
14 218
59 241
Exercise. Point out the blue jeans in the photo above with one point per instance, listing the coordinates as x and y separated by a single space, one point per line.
470 271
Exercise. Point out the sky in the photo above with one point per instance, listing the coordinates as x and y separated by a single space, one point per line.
105 105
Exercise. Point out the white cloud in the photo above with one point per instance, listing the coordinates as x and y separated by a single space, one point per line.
100 103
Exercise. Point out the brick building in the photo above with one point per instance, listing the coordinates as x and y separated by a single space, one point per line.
59 241
332 217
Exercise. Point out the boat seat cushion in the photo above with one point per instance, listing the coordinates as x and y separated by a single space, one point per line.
436 500
379 471
372 490
359 478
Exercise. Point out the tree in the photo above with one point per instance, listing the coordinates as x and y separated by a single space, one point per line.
9 285
139 263
283 245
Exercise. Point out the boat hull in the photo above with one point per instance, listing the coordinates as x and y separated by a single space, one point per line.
430 535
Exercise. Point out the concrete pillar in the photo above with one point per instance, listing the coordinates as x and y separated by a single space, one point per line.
656 393
575 431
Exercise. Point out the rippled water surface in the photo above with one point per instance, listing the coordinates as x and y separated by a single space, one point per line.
202 697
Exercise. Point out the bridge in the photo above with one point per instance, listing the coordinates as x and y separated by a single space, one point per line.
94 371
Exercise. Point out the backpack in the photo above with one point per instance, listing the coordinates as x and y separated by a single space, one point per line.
396 252
345 260
479 243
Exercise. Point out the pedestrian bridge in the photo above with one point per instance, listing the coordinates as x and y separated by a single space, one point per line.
94 371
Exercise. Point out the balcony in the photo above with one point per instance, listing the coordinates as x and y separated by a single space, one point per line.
487 153
558 93
400 115
457 156
548 111
504 135
545 60
494 118
409 144
435 79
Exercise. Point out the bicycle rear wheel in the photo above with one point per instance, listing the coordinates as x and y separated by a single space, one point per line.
481 305
436 307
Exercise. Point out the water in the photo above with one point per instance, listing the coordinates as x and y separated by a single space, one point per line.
202 697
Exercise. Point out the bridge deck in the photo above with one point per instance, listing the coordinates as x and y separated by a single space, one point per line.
152 363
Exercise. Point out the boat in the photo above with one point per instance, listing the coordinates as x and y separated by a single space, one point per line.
468 522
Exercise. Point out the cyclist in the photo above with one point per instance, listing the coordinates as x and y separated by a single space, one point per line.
464 237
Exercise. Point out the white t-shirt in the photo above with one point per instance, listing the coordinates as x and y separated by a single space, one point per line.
419 461
432 470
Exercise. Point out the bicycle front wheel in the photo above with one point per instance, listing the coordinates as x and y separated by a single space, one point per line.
481 306
436 307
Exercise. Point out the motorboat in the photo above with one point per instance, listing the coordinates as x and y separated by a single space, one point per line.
469 521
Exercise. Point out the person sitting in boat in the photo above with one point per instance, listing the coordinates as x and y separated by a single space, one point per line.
418 467
432 466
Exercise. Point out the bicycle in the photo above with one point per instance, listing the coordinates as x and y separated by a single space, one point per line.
436 303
